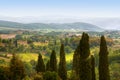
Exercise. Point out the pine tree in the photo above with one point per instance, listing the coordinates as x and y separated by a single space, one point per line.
17 68
103 60
62 64
40 67
53 61
48 66
93 67
85 60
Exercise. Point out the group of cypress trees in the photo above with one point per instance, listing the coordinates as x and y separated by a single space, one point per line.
52 64
84 62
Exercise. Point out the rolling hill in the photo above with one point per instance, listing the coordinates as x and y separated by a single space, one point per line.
36 26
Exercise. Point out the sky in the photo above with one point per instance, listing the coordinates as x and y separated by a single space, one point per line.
60 8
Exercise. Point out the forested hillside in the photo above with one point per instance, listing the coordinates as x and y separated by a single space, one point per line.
6 25
60 56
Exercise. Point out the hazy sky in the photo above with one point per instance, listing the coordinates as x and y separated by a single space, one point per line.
77 8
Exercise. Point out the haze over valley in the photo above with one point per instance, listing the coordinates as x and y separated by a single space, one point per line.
107 23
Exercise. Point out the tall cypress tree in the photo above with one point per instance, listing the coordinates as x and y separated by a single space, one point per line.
103 60
93 67
85 59
53 61
76 60
0 39
62 64
17 68
15 43
40 67
48 66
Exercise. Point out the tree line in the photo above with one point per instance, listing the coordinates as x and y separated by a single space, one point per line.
84 62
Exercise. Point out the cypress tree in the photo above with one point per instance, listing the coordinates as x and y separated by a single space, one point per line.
17 68
15 43
85 59
40 67
76 60
93 67
62 64
53 61
103 60
0 39
48 66
84 46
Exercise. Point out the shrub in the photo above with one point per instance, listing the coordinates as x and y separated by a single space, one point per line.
50 76
38 76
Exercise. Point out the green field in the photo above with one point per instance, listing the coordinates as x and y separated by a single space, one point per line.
28 56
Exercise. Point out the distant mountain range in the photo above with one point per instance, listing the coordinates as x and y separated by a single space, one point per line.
37 26
107 23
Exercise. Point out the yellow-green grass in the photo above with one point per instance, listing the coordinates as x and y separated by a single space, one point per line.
69 57
34 56
94 50
28 56
40 44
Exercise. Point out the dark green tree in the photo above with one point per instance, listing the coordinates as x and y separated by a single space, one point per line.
103 60
76 60
93 67
15 43
48 66
84 46
85 58
62 64
4 73
48 75
40 67
0 39
17 68
53 61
